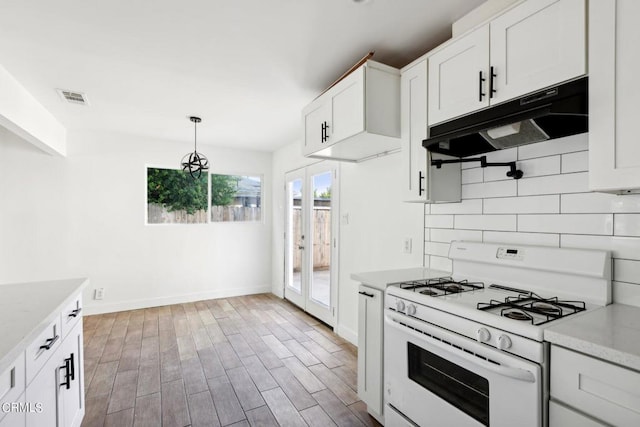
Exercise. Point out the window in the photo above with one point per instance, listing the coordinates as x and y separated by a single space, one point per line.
173 197
236 198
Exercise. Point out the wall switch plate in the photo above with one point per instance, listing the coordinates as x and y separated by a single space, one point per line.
406 245
98 293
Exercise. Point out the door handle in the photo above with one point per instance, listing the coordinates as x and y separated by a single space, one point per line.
300 247
492 87
67 376
480 81
420 179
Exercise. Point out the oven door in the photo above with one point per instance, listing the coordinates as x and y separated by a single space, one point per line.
439 378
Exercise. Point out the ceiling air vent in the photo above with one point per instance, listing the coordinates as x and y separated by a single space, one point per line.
73 97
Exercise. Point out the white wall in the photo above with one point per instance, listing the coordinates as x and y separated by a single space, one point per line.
378 223
551 205
85 216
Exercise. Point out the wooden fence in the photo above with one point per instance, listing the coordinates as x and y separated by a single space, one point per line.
321 238
158 214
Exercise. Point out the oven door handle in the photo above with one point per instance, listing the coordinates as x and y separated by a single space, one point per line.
515 373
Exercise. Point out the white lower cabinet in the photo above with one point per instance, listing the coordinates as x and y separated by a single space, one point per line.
586 391
370 344
55 396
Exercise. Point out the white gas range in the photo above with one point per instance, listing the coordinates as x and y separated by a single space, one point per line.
468 350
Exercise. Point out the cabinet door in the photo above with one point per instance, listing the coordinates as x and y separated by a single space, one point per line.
614 88
72 396
413 108
370 306
44 390
562 416
458 81
347 107
537 44
316 122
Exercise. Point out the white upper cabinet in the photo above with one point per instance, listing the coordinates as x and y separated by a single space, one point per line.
420 181
357 118
614 88
458 75
534 45
537 44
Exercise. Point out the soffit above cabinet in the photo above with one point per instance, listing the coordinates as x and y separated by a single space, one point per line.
357 119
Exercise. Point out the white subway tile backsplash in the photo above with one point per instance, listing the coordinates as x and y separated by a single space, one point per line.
464 207
627 293
575 162
554 184
555 146
486 222
489 189
627 225
620 247
437 248
570 223
539 239
447 236
438 221
440 263
600 203
471 176
534 167
523 205
627 271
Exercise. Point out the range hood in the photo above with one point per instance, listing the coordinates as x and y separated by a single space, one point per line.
551 113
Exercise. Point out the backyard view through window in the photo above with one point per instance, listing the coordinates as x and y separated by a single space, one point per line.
174 197
235 198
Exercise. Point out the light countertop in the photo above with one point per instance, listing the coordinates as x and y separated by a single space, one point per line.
27 308
381 279
611 333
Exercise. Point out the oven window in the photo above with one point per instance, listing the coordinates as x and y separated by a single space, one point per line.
462 388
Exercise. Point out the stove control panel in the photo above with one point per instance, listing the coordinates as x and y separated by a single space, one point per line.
510 253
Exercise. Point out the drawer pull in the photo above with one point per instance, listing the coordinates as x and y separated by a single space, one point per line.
366 294
75 312
13 377
50 342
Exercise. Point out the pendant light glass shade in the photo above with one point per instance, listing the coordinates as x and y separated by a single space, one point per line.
195 163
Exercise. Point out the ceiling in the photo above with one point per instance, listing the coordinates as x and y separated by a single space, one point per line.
247 67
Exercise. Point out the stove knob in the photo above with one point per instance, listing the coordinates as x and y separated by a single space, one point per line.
400 305
483 335
504 342
411 309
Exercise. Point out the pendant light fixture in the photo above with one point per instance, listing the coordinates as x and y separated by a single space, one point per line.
195 163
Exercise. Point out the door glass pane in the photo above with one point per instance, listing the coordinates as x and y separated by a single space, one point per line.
295 236
321 239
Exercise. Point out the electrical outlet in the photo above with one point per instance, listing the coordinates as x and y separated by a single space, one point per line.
406 245
98 293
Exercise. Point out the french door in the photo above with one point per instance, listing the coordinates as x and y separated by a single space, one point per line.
311 269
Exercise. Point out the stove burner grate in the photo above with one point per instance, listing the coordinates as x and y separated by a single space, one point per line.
526 305
440 286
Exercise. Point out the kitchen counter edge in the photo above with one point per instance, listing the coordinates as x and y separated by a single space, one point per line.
611 333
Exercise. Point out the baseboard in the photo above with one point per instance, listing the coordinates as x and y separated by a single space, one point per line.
176 299
347 334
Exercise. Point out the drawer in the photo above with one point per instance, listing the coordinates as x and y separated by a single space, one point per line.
12 383
39 351
70 315
602 390
562 416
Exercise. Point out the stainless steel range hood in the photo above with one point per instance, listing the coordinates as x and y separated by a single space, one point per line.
551 113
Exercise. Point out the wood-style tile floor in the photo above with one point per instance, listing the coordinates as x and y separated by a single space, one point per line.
253 360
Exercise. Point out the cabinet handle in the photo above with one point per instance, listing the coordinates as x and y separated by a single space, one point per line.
325 131
12 379
366 294
420 179
480 81
50 342
322 131
75 312
67 369
492 89
73 368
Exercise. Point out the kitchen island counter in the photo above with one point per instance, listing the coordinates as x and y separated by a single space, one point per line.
611 333
27 308
381 279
